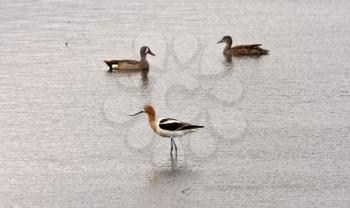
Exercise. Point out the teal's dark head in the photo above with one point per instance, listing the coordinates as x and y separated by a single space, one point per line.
146 50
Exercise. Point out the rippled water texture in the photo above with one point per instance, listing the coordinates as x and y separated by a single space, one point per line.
276 127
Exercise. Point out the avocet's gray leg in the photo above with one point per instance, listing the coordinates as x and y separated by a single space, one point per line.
171 148
175 146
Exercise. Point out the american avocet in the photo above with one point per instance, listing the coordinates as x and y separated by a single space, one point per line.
167 127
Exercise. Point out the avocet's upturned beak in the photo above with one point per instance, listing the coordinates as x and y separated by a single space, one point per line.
137 113
221 41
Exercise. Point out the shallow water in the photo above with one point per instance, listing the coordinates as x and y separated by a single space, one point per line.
277 127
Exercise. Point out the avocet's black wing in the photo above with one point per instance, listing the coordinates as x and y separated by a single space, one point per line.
171 124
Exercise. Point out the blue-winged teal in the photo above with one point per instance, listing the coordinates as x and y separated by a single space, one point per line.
131 64
241 50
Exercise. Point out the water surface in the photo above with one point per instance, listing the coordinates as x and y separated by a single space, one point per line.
277 127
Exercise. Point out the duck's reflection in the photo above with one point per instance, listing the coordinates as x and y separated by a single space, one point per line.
228 59
228 64
144 77
124 73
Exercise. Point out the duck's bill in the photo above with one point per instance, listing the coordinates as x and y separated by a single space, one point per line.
221 41
150 52
137 113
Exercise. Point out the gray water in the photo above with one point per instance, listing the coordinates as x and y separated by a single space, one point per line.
276 127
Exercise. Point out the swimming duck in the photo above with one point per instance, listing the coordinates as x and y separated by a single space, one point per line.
131 64
241 50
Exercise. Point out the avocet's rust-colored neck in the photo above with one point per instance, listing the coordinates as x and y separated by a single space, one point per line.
151 117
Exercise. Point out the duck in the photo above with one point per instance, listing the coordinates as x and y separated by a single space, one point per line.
241 50
129 65
167 127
